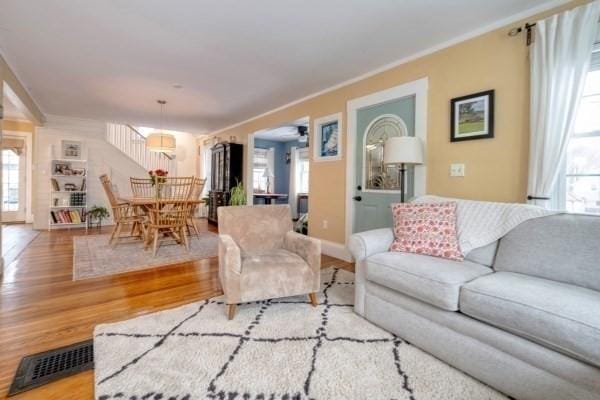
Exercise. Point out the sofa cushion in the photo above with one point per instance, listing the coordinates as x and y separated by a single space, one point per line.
563 248
426 228
433 280
274 274
563 317
483 255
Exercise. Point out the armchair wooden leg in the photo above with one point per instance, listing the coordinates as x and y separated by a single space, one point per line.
313 299
231 311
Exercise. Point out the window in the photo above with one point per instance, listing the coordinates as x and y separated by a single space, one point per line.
303 170
10 181
258 170
579 186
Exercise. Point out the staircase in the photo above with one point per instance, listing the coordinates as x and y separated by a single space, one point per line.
133 144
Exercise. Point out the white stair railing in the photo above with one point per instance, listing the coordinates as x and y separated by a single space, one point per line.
133 144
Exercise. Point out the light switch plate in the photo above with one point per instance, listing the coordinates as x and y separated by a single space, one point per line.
457 169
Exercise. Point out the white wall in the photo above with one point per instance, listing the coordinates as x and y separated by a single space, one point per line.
102 158
186 153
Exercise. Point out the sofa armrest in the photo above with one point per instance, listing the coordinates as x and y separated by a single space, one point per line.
230 268
362 245
365 244
309 249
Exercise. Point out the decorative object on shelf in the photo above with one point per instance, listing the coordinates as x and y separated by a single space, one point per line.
70 187
328 138
71 150
472 117
160 141
402 151
78 171
62 168
96 214
238 195
158 177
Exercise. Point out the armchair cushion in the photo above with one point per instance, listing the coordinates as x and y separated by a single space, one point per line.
278 273
309 249
256 229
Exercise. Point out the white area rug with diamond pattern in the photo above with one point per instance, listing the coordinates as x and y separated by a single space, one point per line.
282 349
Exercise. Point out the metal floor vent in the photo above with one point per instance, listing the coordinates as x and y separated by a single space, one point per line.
42 368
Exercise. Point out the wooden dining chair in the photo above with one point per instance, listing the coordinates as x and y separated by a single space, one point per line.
196 192
123 214
178 188
167 223
142 187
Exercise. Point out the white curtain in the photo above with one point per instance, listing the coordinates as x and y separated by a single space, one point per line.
293 192
560 58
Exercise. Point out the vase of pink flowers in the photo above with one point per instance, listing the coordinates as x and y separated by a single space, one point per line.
159 178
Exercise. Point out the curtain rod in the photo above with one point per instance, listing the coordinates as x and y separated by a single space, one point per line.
528 27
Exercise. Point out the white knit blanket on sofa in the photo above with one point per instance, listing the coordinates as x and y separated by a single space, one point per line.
480 223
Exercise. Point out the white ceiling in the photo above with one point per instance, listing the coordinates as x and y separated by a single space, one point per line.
111 59
287 133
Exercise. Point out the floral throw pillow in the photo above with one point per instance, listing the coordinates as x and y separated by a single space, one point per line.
426 228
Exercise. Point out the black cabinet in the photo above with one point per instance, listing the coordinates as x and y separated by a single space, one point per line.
226 167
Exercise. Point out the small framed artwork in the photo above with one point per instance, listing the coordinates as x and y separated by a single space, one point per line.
71 150
328 138
472 117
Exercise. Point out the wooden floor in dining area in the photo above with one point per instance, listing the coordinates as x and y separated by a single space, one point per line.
42 308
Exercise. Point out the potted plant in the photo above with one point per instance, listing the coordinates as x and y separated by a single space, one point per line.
238 195
97 214
158 177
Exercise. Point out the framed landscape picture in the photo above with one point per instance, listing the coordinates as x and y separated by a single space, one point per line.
472 117
328 139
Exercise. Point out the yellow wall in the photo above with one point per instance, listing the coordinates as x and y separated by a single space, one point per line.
496 169
19 126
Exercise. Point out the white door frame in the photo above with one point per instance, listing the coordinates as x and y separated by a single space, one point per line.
28 178
249 184
417 88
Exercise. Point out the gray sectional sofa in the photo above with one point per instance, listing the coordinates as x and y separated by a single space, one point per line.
521 314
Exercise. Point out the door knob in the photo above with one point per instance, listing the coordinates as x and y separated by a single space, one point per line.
357 198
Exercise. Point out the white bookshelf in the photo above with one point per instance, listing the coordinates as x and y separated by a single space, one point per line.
68 194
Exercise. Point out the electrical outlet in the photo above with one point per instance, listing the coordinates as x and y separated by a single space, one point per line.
325 224
457 169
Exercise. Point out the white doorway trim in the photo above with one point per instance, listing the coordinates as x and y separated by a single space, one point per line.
249 184
417 88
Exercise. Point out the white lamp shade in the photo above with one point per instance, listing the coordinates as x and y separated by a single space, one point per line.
403 150
161 142
267 173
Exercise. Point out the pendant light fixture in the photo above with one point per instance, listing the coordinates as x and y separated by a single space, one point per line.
160 141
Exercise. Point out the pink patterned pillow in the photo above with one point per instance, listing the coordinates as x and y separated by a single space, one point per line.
426 228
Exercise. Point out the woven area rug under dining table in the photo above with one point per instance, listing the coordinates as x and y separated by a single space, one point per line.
281 349
93 257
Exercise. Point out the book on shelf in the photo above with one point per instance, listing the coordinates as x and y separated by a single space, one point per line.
55 185
68 216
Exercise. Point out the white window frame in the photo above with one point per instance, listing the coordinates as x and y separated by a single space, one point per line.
559 200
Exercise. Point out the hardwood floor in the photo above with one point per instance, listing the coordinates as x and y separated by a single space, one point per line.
15 238
41 307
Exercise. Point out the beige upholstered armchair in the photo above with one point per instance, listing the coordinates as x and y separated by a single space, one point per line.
261 258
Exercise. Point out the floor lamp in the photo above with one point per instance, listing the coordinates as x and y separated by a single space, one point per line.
403 151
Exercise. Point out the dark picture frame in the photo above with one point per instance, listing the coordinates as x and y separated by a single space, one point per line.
472 117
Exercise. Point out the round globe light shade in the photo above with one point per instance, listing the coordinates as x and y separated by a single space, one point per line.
403 150
161 142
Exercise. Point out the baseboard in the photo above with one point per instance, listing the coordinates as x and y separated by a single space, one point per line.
336 250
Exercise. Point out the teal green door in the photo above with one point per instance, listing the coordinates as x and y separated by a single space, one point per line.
376 185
